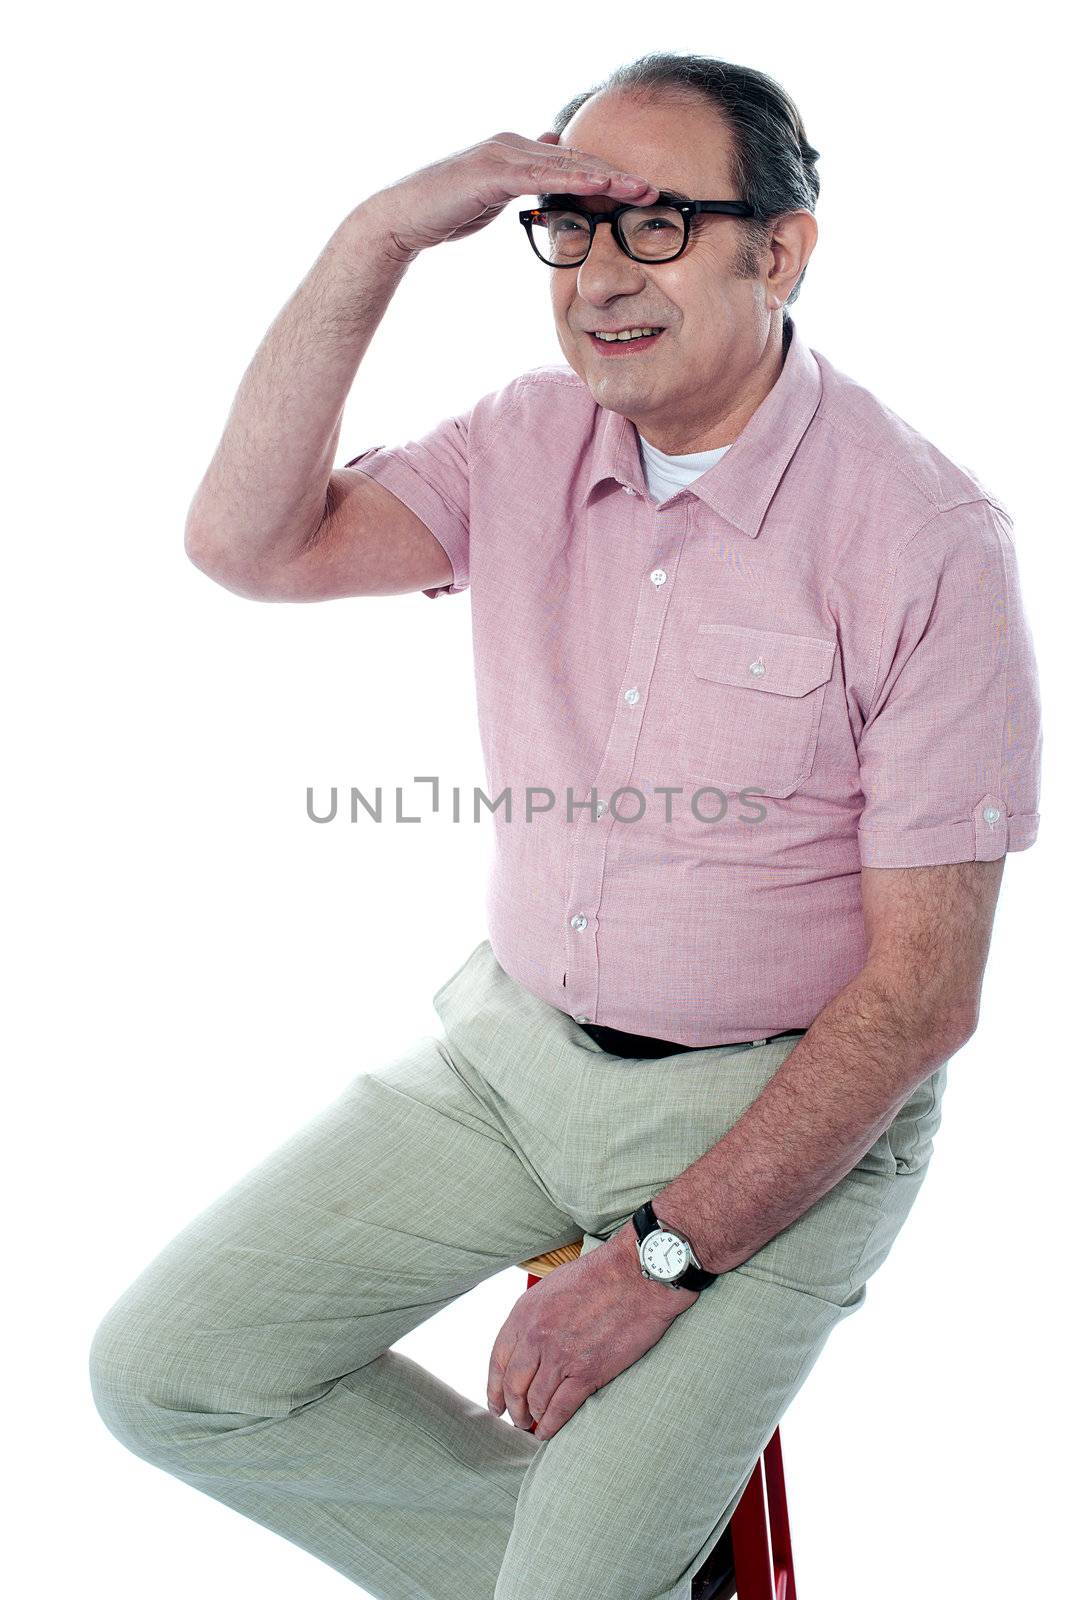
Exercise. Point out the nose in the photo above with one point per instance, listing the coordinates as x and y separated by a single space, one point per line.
606 270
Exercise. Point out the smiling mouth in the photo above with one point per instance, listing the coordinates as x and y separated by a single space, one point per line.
619 344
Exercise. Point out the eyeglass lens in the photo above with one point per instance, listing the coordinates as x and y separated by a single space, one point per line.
650 232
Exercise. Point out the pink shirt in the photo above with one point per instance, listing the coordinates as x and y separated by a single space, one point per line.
830 616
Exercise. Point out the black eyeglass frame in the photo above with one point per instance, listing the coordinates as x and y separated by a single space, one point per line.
687 209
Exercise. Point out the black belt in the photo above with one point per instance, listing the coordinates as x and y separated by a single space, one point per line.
639 1044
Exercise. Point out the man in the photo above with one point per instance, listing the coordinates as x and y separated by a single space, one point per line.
762 648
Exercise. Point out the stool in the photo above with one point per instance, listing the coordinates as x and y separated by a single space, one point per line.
752 1560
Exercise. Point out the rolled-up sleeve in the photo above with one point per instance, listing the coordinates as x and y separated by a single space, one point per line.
949 753
431 476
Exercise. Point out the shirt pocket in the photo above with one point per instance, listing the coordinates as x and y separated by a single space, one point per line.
755 705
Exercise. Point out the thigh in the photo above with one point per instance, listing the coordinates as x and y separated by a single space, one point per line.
392 1201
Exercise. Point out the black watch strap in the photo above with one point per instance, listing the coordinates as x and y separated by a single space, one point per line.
644 1221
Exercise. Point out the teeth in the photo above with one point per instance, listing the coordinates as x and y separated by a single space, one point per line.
629 333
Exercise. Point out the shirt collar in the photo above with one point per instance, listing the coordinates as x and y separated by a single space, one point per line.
739 486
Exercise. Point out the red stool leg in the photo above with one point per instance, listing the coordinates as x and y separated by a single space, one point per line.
751 1553
761 1535
779 1527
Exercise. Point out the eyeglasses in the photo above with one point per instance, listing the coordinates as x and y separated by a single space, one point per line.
561 232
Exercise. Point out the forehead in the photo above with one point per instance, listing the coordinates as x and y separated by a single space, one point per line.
681 145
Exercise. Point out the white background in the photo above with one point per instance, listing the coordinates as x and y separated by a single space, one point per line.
195 968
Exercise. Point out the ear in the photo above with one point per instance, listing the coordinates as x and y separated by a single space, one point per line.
790 246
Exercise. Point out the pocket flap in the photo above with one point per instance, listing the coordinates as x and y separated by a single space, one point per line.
754 658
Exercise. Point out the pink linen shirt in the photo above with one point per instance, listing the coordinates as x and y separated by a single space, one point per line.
819 646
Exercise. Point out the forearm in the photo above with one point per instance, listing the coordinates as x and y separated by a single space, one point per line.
840 1087
265 491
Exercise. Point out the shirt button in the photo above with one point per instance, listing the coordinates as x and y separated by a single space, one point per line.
579 921
580 1019
757 667
991 814
658 577
628 488
632 695
600 807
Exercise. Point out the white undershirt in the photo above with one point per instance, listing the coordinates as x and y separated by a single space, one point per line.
666 474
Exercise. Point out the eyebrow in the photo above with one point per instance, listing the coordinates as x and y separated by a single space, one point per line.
665 197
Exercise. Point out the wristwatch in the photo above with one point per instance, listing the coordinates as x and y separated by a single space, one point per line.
666 1256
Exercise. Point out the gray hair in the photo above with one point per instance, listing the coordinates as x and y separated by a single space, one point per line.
771 161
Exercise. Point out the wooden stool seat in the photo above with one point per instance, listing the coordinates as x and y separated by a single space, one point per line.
752 1560
539 1265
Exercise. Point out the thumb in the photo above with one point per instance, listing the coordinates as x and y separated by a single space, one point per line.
548 138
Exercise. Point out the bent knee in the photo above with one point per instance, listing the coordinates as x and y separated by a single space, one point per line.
161 1379
128 1363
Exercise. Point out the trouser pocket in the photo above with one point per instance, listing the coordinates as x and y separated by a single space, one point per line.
911 1134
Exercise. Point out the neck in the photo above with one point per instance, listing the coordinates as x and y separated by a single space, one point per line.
681 439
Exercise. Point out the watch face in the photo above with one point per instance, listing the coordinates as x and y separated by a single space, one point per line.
665 1255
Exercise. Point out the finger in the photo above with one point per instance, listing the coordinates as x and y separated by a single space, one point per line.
497 1399
497 1368
519 1376
613 186
579 173
566 1400
540 1392
494 1391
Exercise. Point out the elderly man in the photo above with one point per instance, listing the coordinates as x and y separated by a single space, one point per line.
753 672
